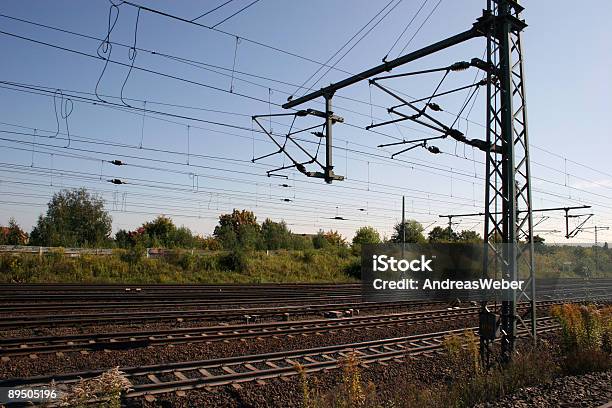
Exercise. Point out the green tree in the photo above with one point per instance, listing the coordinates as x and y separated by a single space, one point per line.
335 239
123 239
238 229
159 231
366 235
469 236
74 218
275 235
13 234
319 241
439 234
414 232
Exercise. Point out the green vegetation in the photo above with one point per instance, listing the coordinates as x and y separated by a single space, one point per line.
74 218
458 379
586 337
13 234
413 232
131 266
235 252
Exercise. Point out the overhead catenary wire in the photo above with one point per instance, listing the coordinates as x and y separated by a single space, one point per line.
212 10
300 87
235 14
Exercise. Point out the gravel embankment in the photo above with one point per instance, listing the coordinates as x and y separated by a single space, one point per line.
589 390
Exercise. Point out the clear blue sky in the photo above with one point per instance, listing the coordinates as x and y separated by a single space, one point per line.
568 64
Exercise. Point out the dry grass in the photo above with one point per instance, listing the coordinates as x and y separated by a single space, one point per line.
586 337
103 391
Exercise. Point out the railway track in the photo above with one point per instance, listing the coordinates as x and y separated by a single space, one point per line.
176 377
62 306
123 340
134 339
246 314
283 312
41 294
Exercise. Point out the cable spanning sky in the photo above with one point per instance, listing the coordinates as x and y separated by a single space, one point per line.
158 96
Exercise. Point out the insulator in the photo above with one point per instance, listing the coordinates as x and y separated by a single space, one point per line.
460 66
117 162
116 181
318 134
434 107
287 200
284 185
434 150
456 134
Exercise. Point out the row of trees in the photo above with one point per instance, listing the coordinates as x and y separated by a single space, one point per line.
76 218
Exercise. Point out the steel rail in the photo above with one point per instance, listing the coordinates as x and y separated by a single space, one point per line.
170 377
135 339
17 322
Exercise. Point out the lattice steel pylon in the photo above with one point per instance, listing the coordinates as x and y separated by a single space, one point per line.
508 214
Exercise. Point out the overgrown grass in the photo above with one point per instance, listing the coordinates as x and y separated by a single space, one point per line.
584 346
586 337
130 266
352 392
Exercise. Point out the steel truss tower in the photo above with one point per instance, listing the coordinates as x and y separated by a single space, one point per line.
508 233
508 226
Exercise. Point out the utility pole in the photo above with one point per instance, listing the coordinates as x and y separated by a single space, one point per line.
595 229
599 229
507 187
508 213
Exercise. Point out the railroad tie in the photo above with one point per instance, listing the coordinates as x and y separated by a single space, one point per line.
204 372
250 367
153 378
180 375
228 370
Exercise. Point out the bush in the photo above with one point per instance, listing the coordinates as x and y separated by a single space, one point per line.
235 260
187 261
353 269
134 255
309 256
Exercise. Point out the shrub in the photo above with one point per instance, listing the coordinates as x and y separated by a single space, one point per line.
187 261
235 260
353 269
309 255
